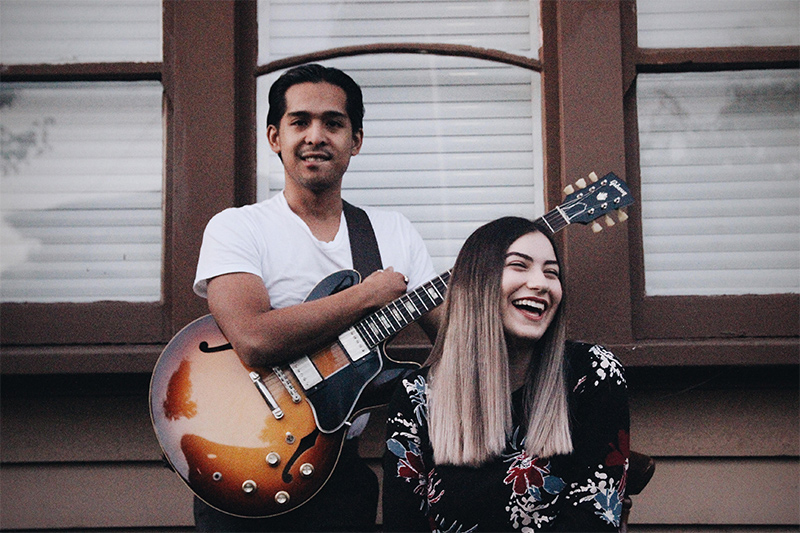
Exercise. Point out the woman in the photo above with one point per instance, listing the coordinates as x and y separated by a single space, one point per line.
507 426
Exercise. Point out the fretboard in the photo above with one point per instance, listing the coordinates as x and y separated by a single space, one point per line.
390 319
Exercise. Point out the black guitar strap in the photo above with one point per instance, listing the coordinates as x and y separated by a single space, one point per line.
363 244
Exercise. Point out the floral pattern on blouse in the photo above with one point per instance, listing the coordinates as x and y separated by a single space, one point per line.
582 491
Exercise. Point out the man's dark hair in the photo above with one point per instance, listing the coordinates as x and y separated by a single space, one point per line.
315 73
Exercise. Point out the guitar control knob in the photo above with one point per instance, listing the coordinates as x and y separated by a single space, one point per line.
282 497
273 459
249 486
306 470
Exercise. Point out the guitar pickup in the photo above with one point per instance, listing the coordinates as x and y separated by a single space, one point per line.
277 412
354 346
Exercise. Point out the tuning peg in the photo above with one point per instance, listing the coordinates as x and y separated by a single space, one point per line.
596 227
569 189
581 183
593 177
622 215
609 221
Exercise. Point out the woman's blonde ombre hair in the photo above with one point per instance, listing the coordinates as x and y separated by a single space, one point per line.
469 393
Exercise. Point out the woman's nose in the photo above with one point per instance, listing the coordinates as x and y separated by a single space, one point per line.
537 281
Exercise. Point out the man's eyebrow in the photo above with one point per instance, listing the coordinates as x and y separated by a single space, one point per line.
325 114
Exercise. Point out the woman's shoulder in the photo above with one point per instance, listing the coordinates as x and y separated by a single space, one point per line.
592 364
412 384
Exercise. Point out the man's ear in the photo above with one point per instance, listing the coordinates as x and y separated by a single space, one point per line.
358 140
274 139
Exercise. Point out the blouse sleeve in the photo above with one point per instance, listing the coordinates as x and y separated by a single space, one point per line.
404 473
601 441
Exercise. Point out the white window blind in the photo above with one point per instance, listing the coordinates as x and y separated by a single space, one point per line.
707 23
79 31
450 142
720 168
294 27
81 192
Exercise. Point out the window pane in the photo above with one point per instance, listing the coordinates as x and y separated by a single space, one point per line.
79 31
292 27
721 182
449 142
703 23
81 192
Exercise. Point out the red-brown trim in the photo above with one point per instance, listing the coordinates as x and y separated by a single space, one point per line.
115 359
716 352
245 85
592 138
404 48
81 323
715 59
82 72
202 124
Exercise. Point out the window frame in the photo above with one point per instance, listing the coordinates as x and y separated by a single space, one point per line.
197 73
589 124
758 329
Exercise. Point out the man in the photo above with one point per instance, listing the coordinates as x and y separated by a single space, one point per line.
259 262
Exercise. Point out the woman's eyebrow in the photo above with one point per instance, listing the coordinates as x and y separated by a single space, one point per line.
519 254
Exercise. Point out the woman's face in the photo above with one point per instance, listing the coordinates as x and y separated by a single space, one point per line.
531 287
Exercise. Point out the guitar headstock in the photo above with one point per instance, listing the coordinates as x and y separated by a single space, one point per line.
595 199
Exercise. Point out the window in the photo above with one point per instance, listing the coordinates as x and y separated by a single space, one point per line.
717 114
451 142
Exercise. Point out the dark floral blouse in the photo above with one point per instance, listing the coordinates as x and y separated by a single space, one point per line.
581 491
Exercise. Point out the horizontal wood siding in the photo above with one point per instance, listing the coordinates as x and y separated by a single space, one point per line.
79 452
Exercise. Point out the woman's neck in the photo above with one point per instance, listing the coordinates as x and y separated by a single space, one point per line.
519 359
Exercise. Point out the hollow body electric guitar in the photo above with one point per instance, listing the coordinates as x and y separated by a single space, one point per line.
259 442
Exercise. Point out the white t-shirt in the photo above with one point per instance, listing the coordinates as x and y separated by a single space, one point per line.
269 240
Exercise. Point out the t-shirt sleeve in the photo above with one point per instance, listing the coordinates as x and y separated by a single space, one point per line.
229 245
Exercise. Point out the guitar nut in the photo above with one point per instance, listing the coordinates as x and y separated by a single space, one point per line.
273 459
306 470
282 497
249 486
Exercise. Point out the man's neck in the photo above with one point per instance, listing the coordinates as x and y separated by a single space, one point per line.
321 211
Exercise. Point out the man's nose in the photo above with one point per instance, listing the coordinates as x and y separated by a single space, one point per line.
315 133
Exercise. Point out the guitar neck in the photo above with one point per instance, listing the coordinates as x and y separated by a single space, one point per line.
389 320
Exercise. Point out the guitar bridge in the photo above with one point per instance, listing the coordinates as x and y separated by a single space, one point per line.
277 412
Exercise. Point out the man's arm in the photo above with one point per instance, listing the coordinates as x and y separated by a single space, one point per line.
263 336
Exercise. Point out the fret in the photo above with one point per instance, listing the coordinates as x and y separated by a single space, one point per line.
418 303
397 313
376 330
411 308
387 324
366 333
390 319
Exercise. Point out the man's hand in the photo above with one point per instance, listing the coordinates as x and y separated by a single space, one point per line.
383 286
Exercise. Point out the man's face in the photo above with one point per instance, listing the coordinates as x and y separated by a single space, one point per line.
315 139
